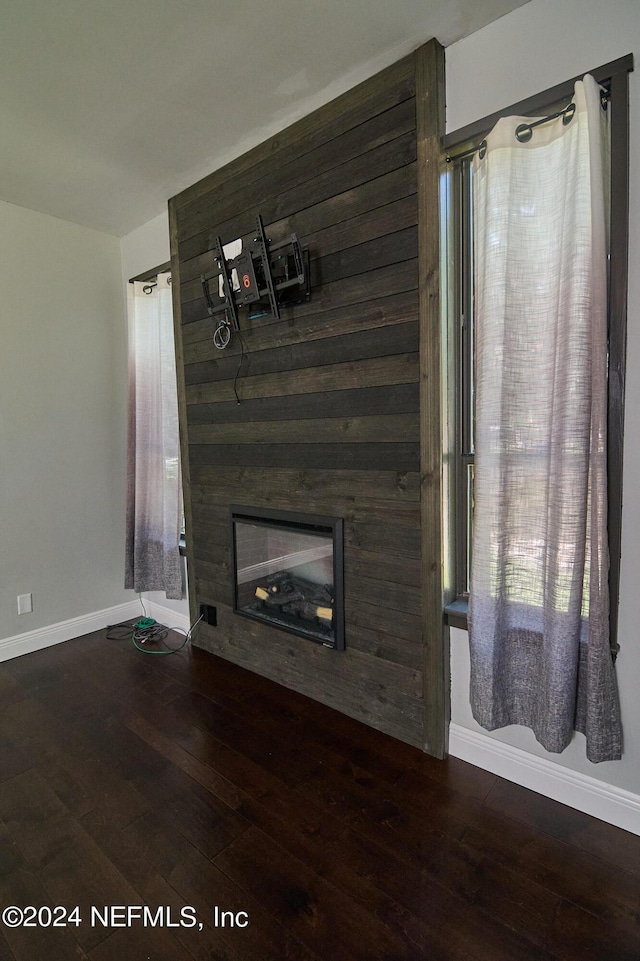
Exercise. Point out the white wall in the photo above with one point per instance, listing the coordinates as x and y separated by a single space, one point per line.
141 250
145 247
62 420
541 44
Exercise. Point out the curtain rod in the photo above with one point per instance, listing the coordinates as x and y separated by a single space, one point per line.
541 101
150 275
147 288
524 131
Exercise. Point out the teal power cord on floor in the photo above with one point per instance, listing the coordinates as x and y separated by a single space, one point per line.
146 631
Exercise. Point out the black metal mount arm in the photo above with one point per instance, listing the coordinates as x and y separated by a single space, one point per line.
263 271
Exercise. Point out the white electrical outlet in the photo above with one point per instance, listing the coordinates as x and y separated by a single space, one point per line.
25 603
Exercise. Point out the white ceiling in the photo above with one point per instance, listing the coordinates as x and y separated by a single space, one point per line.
110 107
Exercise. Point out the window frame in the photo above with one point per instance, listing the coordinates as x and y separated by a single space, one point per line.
459 146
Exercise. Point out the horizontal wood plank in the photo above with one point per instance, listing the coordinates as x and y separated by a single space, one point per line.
383 428
393 248
356 375
373 534
197 253
391 594
385 567
375 163
383 620
262 334
347 456
387 647
370 225
361 514
361 345
275 177
397 399
354 486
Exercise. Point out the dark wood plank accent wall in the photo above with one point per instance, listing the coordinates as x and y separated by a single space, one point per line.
329 419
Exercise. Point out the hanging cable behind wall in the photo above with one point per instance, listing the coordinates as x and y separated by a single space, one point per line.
242 355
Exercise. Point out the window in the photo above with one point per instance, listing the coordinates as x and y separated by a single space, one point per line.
154 495
461 146
540 410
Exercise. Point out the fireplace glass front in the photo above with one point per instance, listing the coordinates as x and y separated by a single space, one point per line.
288 572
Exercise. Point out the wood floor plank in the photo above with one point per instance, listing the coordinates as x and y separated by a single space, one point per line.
326 733
202 818
80 779
22 888
326 921
10 689
137 942
222 788
5 951
69 866
265 938
12 760
289 762
189 781
577 935
582 831
147 848
203 941
576 877
538 906
160 862
344 857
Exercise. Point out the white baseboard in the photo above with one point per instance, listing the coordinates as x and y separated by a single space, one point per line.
43 637
587 794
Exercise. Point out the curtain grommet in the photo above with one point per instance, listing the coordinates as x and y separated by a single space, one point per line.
524 133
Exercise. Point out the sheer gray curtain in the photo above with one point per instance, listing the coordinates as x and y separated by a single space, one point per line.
539 605
154 507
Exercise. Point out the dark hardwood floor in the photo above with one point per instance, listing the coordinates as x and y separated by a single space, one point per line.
131 780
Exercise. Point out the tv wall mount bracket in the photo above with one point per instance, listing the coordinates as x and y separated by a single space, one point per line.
264 270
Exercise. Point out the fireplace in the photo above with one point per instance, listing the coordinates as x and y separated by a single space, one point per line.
288 572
